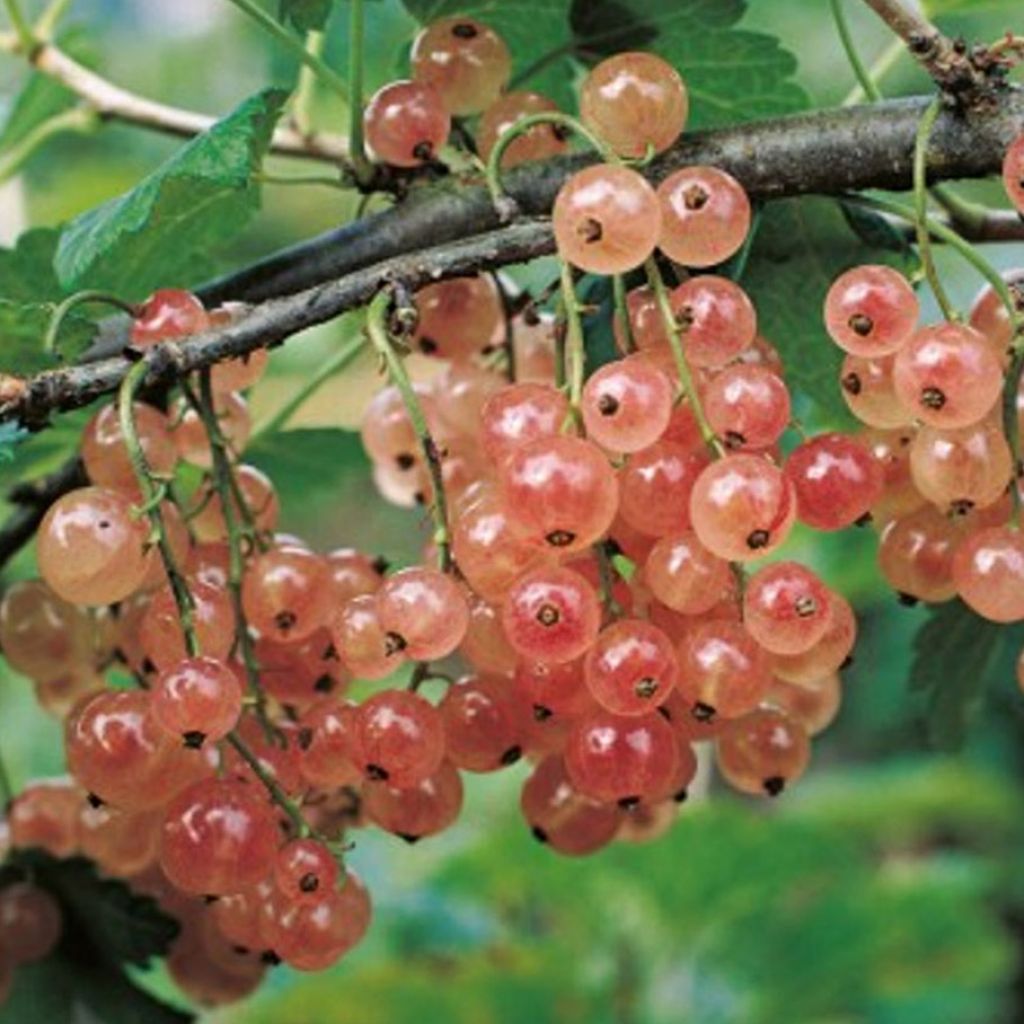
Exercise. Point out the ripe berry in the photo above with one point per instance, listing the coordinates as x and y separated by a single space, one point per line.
519 414
606 219
948 375
828 655
91 548
655 488
705 216
415 812
814 706
362 643
717 319
160 633
482 724
684 575
559 492
537 143
786 608
423 611
458 318
45 815
747 406
326 744
742 507
988 572
106 458
168 313
634 102
1013 173
620 759
552 689
304 871
870 392
197 699
30 922
871 311
989 315
397 737
631 668
551 615
286 593
626 404
916 555
835 479
406 123
464 60
763 752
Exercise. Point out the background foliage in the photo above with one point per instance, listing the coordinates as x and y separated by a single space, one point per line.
884 889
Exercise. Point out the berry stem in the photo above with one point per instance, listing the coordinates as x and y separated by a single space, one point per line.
305 91
502 202
61 312
361 166
924 241
508 308
607 572
302 827
622 312
575 348
668 318
222 475
866 82
81 118
51 17
315 63
345 354
22 29
380 337
881 66
151 502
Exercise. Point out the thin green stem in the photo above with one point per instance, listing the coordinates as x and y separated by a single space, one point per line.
78 119
22 29
151 503
962 212
575 349
622 313
924 240
524 124
285 802
878 70
222 475
380 336
361 166
311 179
324 72
862 74
344 355
606 573
668 317
305 91
51 17
61 312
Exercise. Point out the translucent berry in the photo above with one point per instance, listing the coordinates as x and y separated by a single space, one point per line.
352 574
197 699
835 479
763 752
620 759
464 60
540 142
406 123
91 548
30 922
559 492
104 453
415 812
989 315
325 741
219 836
606 219
1013 173
705 216
814 706
425 612
723 671
258 495
742 507
684 575
786 608
304 871
871 311
552 689
747 406
828 655
485 646
45 815
916 555
631 668
717 319
189 432
948 376
870 393
519 414
121 843
398 737
286 593
459 318
551 615
958 470
655 488
168 313
482 724
626 404
988 572
213 617
634 102
362 642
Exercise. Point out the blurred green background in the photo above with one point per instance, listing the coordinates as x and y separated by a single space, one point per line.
885 888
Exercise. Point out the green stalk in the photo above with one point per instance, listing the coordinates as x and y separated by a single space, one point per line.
622 312
924 241
324 72
344 355
305 90
361 165
61 312
575 349
668 318
862 74
380 337
77 119
22 29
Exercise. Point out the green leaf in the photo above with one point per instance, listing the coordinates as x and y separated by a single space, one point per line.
22 329
105 927
731 74
26 271
197 200
305 15
42 96
957 655
802 245
935 8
